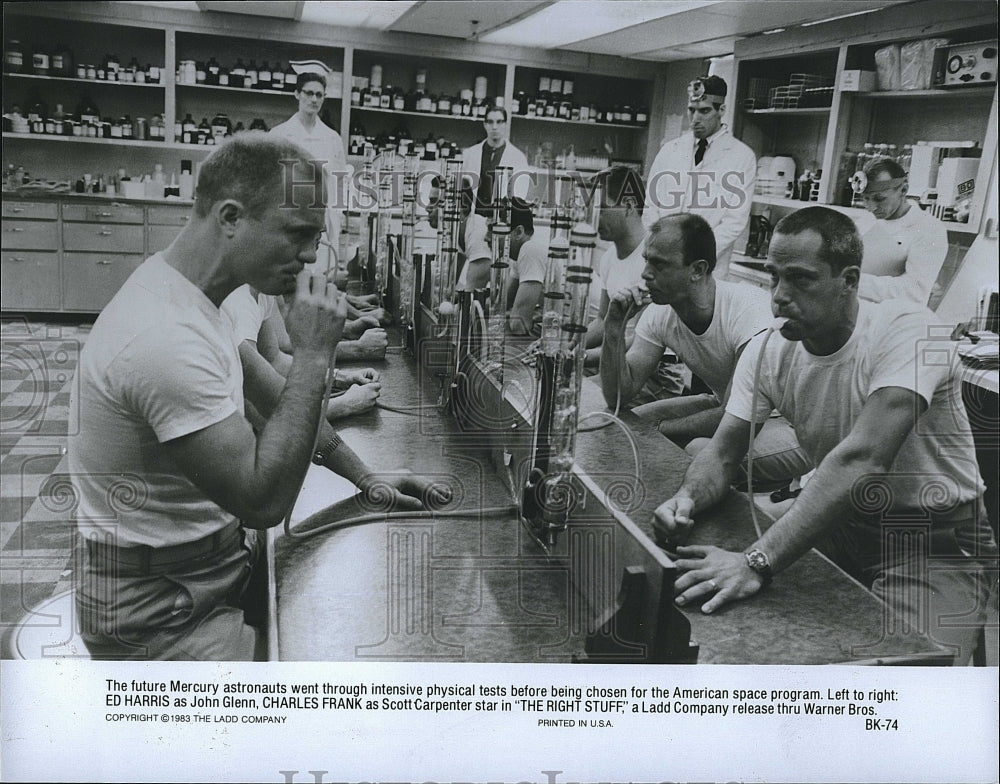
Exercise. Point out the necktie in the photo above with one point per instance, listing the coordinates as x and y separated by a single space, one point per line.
699 153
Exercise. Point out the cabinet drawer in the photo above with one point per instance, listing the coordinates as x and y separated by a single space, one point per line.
90 280
113 238
30 209
30 234
30 280
102 213
169 216
160 236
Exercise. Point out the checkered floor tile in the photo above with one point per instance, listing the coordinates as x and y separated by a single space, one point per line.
37 365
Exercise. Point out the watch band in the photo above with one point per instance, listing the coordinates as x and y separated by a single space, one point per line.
760 563
321 455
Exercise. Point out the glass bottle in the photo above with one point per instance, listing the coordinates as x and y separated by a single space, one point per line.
355 95
291 79
13 57
264 76
238 74
277 78
212 71
200 73
204 131
223 76
385 99
251 80
189 130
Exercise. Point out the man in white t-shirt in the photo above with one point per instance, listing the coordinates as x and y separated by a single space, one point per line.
896 500
168 471
355 391
529 260
620 223
707 324
905 248
475 254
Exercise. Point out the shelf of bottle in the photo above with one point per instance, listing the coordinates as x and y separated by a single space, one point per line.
978 91
99 82
630 126
44 137
809 110
244 90
433 115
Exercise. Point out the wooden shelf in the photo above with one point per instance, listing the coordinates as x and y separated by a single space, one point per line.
432 115
41 137
245 90
815 110
630 126
954 92
88 82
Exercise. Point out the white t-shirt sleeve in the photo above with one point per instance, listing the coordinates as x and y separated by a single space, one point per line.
532 262
905 357
749 313
177 379
652 325
741 393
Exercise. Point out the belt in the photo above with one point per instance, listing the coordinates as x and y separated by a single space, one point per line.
146 559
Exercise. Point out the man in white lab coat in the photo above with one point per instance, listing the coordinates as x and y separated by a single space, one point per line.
480 160
324 144
705 171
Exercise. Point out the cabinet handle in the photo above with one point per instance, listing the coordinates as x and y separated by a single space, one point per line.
105 232
104 214
15 231
18 258
104 262
17 209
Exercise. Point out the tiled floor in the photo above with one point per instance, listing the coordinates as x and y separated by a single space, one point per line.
37 364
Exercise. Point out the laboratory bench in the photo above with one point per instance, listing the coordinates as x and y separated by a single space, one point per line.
482 587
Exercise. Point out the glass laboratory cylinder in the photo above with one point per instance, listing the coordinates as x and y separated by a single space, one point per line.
579 268
407 282
554 297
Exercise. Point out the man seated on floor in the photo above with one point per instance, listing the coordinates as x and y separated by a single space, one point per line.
529 259
355 391
896 499
168 472
707 323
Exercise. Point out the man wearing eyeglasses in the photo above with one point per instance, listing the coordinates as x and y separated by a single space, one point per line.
481 160
324 144
705 171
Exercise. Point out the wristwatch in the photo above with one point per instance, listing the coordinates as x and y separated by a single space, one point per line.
758 561
321 455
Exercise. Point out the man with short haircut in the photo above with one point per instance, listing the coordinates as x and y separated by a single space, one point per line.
705 171
308 131
168 472
896 499
905 248
620 223
707 324
529 259
481 160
